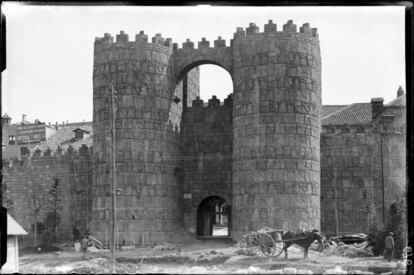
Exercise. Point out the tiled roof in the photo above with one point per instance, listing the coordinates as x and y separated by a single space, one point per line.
354 114
398 102
65 136
329 109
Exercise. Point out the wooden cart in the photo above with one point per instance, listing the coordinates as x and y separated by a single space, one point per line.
266 242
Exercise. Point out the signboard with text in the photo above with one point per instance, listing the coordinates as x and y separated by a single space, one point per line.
31 133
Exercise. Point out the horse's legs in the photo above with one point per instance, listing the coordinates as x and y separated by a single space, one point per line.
305 253
285 248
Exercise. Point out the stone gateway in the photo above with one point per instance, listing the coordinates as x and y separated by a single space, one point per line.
269 155
268 174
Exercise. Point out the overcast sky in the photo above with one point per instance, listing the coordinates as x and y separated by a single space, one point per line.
50 50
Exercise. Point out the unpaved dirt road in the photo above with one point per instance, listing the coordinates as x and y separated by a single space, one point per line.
199 257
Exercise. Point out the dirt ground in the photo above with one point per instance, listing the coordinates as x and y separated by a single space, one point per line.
202 257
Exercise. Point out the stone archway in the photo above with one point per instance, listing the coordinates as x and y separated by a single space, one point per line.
213 217
187 57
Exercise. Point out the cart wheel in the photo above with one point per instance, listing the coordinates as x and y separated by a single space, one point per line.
263 244
278 248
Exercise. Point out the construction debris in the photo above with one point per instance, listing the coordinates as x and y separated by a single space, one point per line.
165 246
350 238
348 250
245 252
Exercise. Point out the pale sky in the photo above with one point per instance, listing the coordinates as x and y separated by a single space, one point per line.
50 50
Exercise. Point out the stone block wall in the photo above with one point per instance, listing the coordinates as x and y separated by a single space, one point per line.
207 155
148 123
275 123
81 189
191 86
276 128
390 125
367 181
349 161
35 175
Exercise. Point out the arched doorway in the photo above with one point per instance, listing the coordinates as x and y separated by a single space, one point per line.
213 218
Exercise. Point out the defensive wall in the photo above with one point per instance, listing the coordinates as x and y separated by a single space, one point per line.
261 150
207 140
275 125
29 179
363 170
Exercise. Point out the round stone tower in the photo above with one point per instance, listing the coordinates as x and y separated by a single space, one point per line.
147 139
276 128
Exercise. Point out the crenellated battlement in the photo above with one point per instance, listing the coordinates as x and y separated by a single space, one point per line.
49 155
252 29
213 102
140 38
271 28
69 151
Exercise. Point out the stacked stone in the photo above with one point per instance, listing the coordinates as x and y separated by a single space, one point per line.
188 56
207 152
34 175
277 102
349 166
352 166
80 168
147 138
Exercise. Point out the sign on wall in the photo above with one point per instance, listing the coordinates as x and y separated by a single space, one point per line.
31 133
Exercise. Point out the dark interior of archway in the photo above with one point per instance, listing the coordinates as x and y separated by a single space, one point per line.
213 218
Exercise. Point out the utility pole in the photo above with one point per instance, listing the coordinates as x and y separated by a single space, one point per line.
382 181
113 177
336 201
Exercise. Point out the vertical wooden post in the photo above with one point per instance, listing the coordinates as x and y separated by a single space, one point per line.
113 177
336 202
383 185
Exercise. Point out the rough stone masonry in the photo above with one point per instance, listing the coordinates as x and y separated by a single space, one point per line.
273 174
259 152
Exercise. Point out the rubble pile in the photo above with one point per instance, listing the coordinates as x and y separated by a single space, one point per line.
208 256
348 250
245 252
165 246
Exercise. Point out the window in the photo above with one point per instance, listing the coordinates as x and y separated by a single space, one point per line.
12 140
24 151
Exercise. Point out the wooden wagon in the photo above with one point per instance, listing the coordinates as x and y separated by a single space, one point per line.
266 242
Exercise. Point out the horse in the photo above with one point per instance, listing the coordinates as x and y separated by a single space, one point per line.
303 239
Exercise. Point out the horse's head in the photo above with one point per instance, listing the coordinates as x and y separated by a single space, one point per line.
316 236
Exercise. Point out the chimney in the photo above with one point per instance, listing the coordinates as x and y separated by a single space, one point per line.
6 119
400 92
377 104
23 118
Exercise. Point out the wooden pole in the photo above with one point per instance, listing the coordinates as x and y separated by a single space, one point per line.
383 185
113 176
336 202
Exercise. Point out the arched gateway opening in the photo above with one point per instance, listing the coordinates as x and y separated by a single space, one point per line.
213 218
